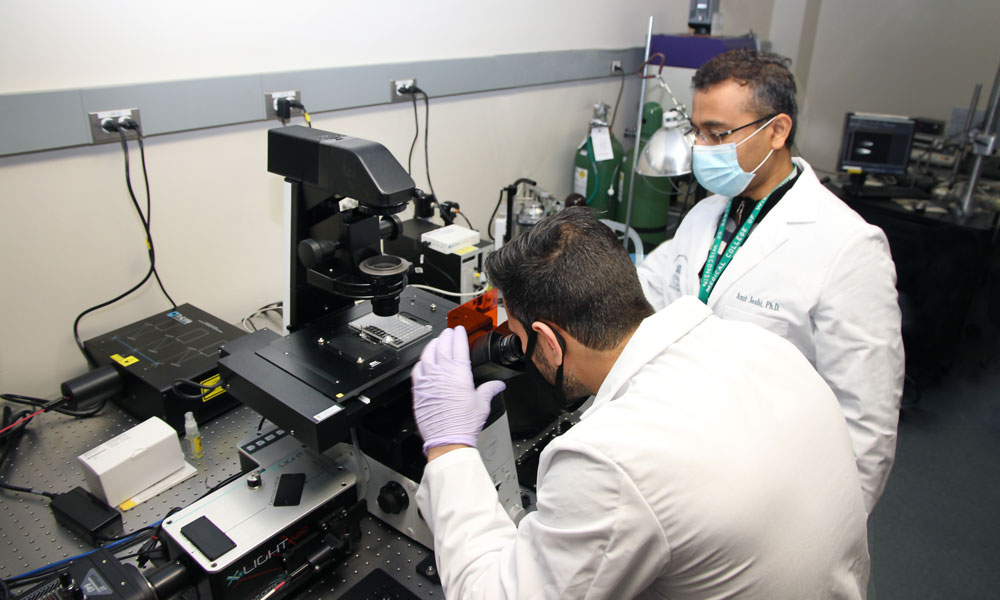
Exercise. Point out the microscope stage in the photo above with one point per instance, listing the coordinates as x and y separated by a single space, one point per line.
315 382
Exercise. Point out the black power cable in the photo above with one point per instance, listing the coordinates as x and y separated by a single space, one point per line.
130 123
416 134
175 385
467 221
427 131
305 113
413 90
12 428
621 88
283 109
41 402
489 226
150 249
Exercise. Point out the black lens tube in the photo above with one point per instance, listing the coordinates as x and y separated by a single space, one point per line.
494 347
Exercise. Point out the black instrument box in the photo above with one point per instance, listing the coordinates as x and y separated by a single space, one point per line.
153 353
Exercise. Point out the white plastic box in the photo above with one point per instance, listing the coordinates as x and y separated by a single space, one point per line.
133 461
450 239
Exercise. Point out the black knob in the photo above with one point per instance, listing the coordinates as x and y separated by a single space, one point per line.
392 498
312 252
65 580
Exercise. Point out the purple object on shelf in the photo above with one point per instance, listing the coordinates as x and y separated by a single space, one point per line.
692 51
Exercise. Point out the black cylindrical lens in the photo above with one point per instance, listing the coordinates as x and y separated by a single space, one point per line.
494 347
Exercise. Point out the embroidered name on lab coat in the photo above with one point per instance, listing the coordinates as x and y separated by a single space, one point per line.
758 301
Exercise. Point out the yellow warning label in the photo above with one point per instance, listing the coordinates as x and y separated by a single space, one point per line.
127 505
214 379
854 170
340 395
124 360
464 250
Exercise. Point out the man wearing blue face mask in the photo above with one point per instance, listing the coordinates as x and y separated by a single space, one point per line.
812 271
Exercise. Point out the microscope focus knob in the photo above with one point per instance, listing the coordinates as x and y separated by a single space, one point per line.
392 498
312 252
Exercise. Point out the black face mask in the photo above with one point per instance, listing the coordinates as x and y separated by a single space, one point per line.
557 385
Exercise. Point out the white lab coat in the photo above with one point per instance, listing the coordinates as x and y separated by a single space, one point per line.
714 462
816 273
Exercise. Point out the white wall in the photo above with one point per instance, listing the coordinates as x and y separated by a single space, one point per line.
917 58
69 237
68 43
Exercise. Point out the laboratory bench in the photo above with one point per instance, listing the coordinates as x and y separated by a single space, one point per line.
46 459
385 562
941 259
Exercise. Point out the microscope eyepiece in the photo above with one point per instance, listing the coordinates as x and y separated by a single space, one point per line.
495 347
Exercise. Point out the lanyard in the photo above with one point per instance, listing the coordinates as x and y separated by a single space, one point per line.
712 271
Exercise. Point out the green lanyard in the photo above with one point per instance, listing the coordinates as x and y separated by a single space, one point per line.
712 271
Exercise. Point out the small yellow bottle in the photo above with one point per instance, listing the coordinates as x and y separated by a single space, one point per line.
192 437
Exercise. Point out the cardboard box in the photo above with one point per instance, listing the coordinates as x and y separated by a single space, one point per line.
133 461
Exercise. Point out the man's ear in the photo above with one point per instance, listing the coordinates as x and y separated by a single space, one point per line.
782 126
548 341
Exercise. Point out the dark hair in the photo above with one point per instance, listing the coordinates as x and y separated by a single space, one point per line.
570 270
771 83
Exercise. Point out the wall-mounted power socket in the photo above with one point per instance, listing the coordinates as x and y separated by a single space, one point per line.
395 95
616 67
271 102
100 135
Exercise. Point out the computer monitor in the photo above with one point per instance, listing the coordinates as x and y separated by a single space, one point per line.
876 144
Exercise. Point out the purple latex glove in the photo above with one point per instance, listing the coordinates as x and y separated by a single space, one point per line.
448 407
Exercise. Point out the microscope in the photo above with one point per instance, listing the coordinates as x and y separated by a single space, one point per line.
341 441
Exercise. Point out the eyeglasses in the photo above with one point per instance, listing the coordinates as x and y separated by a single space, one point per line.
710 138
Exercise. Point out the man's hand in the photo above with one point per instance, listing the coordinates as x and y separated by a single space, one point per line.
449 409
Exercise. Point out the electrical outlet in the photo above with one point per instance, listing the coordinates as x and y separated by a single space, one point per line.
100 135
616 67
271 102
396 84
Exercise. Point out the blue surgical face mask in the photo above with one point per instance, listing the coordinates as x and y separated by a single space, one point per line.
718 170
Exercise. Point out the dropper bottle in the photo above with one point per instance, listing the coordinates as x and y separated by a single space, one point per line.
192 437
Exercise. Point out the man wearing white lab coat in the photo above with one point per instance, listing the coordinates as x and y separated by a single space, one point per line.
812 271
714 461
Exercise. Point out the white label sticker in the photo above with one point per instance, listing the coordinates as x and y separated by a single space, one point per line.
602 144
114 114
336 408
580 182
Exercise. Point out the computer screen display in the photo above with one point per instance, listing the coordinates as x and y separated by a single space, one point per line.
876 144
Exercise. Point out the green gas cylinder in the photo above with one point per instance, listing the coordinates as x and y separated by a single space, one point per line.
652 197
596 169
